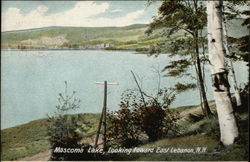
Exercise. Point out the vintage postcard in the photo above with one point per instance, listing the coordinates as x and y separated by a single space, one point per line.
124 80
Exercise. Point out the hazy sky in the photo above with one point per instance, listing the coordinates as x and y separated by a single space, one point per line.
17 15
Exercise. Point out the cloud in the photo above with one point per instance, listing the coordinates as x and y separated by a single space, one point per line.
128 19
42 8
117 10
80 15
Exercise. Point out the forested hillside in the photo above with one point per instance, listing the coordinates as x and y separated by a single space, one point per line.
131 37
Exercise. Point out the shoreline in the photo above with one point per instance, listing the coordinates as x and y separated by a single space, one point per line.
182 108
78 49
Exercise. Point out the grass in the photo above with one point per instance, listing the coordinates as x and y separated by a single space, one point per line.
31 138
24 140
234 152
202 133
181 142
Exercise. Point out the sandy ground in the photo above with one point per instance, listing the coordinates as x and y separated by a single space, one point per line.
42 156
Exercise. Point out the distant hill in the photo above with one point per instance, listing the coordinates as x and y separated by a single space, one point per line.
74 37
130 37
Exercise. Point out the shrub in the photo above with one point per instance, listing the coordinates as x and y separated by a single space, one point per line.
152 121
62 129
141 119
123 130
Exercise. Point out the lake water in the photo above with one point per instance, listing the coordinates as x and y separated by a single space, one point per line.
31 80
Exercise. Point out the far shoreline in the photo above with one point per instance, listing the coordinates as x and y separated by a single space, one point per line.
78 49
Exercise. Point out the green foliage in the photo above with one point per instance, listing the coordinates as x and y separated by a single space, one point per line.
239 44
62 128
244 95
180 15
177 68
231 8
157 122
137 121
183 22
123 128
186 17
179 87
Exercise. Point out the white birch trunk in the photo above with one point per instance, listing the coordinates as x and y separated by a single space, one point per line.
232 75
227 122
236 89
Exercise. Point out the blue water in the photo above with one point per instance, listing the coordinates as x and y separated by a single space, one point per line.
31 80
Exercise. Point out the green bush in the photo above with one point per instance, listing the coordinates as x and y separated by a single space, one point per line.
62 129
139 120
123 130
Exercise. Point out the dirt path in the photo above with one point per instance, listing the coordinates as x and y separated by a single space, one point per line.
42 156
193 110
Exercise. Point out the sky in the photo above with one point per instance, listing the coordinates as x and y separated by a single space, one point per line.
19 15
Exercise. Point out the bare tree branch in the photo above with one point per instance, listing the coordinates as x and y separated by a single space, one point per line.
143 99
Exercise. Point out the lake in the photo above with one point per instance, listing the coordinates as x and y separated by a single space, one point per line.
31 80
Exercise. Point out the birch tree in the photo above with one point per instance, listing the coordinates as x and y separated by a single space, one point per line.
182 24
230 62
228 127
